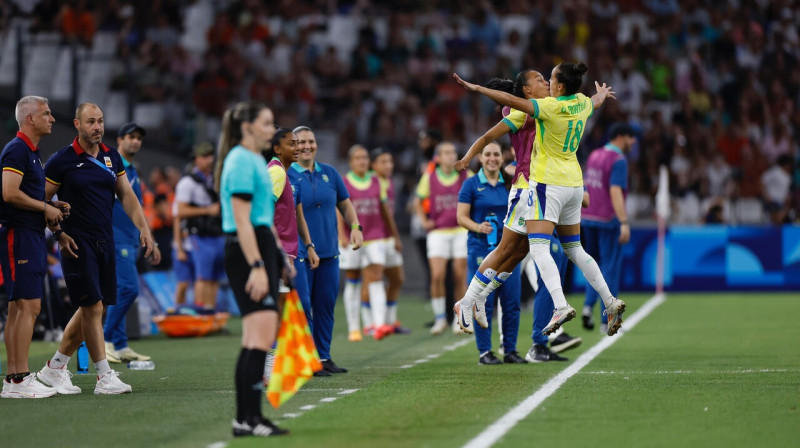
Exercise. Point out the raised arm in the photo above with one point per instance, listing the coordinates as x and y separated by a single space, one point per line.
506 99
603 92
491 135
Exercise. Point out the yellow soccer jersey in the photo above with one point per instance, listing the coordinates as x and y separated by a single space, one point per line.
561 124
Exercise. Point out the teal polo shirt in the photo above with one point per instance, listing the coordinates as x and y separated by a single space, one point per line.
245 173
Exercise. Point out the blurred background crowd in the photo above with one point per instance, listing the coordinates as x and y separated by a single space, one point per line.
713 86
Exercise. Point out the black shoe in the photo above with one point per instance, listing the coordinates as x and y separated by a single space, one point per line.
329 366
261 428
514 358
564 342
322 372
540 353
489 359
588 322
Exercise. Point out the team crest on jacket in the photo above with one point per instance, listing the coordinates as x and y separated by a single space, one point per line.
325 177
108 161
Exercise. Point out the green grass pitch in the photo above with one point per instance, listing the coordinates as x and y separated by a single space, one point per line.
703 370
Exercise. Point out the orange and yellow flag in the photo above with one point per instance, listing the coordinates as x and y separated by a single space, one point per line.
296 359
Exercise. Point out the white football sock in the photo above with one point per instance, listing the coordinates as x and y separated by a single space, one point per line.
377 301
540 251
438 304
352 301
58 361
574 251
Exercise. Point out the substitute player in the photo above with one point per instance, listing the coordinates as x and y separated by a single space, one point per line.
88 175
446 239
23 252
126 250
556 192
605 221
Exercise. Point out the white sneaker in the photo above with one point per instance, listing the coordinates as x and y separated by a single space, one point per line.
58 379
480 312
110 384
456 327
439 326
463 316
560 317
127 354
28 388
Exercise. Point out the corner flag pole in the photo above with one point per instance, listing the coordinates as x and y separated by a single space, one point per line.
662 215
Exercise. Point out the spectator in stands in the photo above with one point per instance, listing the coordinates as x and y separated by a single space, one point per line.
77 22
776 192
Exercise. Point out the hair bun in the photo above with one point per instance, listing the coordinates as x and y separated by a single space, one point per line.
581 69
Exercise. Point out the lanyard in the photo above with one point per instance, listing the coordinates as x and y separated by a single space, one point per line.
98 163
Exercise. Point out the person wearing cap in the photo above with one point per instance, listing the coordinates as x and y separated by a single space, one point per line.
198 205
605 220
126 242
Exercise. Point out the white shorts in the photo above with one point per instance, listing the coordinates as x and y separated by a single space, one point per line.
372 252
560 205
448 243
519 202
393 257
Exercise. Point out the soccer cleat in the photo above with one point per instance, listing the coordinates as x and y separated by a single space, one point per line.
110 384
29 387
614 313
560 317
540 353
463 316
479 307
354 336
111 354
329 366
59 379
514 358
399 329
489 359
564 342
262 428
369 331
127 355
322 372
439 326
383 331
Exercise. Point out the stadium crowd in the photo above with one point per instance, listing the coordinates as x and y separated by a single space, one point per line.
713 88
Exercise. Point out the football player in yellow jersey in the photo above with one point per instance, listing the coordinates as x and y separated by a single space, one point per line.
556 184
498 265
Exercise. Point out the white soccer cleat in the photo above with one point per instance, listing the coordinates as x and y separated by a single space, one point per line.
110 384
439 326
614 313
58 379
28 388
560 317
463 316
480 312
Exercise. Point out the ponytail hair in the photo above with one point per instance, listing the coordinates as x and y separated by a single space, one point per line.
571 75
244 112
509 86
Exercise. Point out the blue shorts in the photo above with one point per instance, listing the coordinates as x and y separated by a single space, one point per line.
23 257
184 270
209 257
92 277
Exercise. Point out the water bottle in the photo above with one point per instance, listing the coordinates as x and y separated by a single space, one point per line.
141 365
491 238
83 359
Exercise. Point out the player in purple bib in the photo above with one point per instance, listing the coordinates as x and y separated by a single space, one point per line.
513 247
446 240
369 200
383 166
289 220
605 221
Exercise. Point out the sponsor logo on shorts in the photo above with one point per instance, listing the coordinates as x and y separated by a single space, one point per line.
521 221
22 261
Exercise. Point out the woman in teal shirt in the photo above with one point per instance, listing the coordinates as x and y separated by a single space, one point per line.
252 257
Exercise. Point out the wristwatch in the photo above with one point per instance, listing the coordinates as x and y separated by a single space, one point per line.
257 264
311 246
357 226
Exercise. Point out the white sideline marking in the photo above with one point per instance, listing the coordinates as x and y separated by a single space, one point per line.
217 445
348 391
407 366
308 407
328 399
685 372
499 428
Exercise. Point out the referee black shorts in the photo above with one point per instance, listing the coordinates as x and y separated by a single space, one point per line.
238 270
